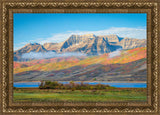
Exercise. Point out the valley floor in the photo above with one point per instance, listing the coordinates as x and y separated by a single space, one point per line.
51 95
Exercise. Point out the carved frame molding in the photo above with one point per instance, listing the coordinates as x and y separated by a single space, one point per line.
123 108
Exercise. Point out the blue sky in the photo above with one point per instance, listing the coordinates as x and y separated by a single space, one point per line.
52 27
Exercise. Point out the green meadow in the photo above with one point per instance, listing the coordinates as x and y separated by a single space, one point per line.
54 95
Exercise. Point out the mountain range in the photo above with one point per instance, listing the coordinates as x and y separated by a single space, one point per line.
88 44
107 58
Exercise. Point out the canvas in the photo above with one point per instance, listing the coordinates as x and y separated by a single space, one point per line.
82 57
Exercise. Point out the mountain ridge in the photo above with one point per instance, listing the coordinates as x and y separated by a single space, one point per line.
89 44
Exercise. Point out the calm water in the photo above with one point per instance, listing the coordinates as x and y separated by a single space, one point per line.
120 85
26 84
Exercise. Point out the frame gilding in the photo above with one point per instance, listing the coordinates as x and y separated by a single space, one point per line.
9 7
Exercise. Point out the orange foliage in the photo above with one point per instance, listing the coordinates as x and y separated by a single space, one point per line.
64 63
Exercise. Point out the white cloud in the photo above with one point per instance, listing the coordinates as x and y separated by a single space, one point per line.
20 45
115 53
139 33
44 55
56 38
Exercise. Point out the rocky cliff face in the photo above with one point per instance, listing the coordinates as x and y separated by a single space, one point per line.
52 46
93 45
76 40
89 44
128 43
35 47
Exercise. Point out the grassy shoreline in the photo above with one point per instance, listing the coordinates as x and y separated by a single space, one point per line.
93 81
45 95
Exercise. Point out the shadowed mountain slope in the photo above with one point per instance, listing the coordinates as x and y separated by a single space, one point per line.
129 65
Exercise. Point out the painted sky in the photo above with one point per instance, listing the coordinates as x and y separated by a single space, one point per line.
42 28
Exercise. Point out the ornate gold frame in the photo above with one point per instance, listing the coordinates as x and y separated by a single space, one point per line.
8 7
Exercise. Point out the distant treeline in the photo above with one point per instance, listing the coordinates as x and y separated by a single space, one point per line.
72 86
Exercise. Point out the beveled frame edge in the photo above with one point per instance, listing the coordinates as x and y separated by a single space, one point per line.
83 110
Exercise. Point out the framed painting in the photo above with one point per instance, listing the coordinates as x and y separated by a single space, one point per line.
79 57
